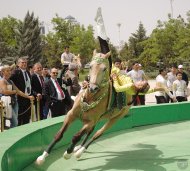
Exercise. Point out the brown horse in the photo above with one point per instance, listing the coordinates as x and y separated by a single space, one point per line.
90 106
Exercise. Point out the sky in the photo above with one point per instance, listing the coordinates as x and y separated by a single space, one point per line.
129 13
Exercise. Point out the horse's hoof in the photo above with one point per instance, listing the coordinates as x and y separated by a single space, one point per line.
78 154
77 148
40 160
66 155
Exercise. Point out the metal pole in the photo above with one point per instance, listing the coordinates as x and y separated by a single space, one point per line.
38 109
2 116
171 3
32 110
119 25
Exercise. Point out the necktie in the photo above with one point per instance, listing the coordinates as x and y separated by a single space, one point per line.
41 80
26 77
60 90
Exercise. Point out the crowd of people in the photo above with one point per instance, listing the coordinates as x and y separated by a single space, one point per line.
55 89
175 80
19 86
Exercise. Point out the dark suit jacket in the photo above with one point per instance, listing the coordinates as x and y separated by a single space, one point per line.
51 93
18 79
36 85
24 103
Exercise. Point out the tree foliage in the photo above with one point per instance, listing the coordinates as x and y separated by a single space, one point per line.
8 42
135 47
80 40
169 42
29 39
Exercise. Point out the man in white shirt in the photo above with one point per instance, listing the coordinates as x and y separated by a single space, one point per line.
66 59
171 77
57 96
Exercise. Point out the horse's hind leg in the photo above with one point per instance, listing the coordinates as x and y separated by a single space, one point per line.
98 133
76 138
68 120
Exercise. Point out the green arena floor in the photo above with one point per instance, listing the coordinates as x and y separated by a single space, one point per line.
161 147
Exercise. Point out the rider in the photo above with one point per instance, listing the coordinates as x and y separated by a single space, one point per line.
122 83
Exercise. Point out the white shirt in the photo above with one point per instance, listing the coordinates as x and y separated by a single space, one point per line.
27 82
66 58
161 80
171 78
179 88
39 78
136 75
59 97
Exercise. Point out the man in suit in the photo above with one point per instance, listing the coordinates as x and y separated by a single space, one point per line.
22 79
37 82
46 77
57 95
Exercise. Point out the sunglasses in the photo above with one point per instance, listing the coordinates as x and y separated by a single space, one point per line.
55 73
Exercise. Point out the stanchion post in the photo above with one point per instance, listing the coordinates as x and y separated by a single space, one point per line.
2 116
32 110
38 108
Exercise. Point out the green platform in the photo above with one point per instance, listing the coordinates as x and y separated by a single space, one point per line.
127 146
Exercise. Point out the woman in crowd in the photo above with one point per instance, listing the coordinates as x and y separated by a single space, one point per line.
9 93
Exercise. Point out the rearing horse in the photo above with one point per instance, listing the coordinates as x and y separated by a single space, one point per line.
90 106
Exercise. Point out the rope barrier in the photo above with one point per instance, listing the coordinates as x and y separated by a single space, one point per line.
31 107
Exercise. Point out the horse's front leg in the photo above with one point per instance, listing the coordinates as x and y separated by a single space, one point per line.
84 140
68 120
98 133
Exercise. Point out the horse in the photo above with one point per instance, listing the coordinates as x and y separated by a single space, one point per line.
77 60
90 106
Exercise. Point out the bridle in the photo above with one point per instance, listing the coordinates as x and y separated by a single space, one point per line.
103 84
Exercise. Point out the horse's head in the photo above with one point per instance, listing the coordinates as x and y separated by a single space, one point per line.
99 71
77 60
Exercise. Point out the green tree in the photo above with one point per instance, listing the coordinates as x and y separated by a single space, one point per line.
125 54
168 43
29 39
80 40
8 51
135 47
83 42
